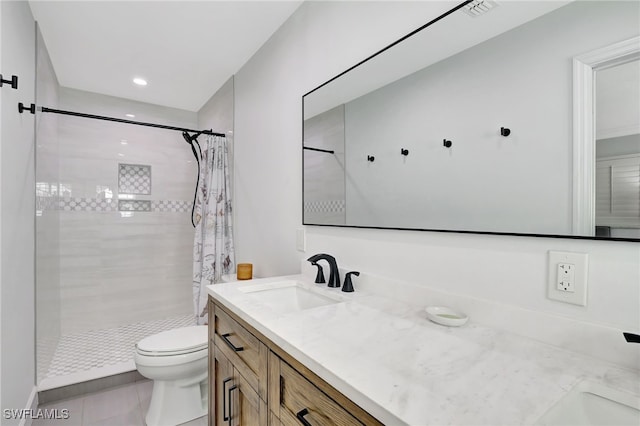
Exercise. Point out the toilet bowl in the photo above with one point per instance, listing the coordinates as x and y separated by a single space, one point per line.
176 361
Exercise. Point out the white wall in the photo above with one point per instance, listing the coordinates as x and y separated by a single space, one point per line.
1 138
320 40
217 115
17 368
484 182
618 100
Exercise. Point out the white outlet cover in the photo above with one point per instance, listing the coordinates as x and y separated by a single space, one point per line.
301 240
581 262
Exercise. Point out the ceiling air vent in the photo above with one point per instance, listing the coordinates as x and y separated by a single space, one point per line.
479 7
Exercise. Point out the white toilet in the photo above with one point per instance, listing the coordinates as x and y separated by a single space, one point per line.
176 361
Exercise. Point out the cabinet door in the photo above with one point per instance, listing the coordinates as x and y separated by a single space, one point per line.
235 402
246 407
222 380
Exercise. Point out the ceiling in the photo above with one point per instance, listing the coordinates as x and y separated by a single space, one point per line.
186 50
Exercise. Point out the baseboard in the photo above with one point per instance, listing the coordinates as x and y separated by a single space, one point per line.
32 405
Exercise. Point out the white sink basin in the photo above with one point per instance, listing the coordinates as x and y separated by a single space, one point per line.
287 296
594 404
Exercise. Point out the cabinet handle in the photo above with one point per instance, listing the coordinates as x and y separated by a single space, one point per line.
231 389
224 399
225 337
301 415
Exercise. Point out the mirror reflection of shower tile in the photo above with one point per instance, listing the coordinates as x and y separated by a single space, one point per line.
134 179
134 205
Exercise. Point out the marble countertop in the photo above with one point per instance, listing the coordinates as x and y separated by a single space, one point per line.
387 357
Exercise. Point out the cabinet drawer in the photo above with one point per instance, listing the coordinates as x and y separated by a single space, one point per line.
248 354
297 400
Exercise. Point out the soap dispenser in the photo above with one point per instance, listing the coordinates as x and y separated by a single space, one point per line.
348 285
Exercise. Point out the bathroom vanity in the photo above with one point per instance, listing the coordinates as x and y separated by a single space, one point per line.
253 381
286 351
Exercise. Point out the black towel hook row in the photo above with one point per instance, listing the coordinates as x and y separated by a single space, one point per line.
504 131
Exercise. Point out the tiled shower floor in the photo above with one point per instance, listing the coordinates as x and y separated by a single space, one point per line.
100 353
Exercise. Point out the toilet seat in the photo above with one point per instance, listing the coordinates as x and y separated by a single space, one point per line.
178 341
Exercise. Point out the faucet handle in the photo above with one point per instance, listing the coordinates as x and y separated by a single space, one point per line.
320 274
631 338
348 285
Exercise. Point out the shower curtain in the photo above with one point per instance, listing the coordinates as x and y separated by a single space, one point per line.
213 252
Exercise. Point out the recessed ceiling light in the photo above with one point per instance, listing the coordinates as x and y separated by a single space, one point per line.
123 142
140 81
120 154
130 115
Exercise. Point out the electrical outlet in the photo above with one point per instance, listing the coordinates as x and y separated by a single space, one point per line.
567 280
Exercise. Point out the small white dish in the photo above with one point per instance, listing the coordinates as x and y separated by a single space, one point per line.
446 316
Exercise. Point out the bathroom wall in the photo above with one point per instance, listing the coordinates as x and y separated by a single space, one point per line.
622 145
217 115
47 220
122 267
17 207
306 51
527 93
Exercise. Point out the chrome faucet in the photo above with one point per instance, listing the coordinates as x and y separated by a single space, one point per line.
334 273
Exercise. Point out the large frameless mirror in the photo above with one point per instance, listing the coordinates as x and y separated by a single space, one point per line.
472 124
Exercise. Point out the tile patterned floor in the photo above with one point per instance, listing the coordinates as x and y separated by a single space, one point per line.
121 406
99 348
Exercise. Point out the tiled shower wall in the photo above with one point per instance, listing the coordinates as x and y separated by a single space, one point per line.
122 267
47 220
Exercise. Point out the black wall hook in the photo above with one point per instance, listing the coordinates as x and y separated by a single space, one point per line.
446 143
404 152
371 158
13 81
505 131
22 108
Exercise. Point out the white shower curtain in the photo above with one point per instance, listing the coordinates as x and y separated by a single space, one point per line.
213 252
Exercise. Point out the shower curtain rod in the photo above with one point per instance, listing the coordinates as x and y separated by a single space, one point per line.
120 120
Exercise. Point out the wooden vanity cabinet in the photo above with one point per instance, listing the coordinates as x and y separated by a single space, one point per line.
236 402
237 373
253 382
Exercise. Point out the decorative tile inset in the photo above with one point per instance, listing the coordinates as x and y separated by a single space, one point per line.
134 179
44 203
86 204
134 205
171 206
329 206
99 348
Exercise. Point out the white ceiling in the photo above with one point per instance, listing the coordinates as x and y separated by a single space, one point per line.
186 50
